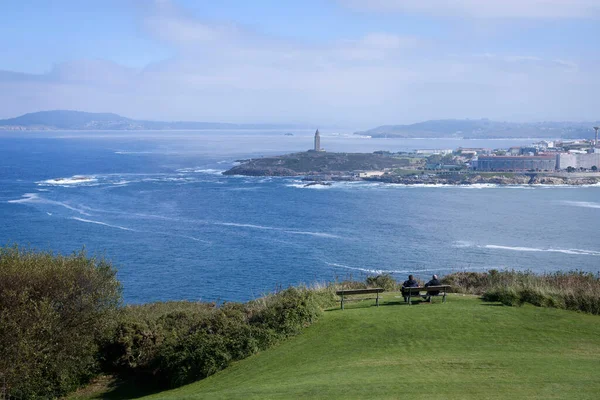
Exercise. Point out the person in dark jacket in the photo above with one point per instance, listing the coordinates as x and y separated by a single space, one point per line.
433 282
411 282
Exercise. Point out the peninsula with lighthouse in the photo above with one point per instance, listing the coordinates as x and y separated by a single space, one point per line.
573 162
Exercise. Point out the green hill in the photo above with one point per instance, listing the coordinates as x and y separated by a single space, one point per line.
483 129
79 120
463 349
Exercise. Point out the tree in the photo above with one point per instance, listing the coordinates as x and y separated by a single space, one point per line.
570 169
53 309
594 168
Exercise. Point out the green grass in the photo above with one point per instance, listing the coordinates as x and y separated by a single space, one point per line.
462 349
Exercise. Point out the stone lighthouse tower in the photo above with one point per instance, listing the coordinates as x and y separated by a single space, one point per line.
317 141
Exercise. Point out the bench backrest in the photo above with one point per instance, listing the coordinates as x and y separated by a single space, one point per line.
416 290
359 291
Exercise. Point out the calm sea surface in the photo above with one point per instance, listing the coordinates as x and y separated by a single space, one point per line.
156 204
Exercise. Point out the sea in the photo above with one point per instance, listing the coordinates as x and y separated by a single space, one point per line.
158 207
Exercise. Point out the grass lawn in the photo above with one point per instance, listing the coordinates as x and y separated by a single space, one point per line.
463 349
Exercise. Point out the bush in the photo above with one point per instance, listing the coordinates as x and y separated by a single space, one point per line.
53 309
171 344
384 281
574 290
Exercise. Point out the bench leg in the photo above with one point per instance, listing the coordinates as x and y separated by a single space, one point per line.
444 298
409 298
342 301
377 301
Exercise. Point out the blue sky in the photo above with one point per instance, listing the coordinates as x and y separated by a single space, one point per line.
354 63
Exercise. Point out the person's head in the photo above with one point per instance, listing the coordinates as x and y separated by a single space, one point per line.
411 278
435 277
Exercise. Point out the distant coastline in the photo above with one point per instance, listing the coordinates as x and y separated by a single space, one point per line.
459 129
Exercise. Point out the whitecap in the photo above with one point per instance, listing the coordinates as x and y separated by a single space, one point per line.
285 230
74 180
34 198
89 221
379 271
582 252
317 234
550 250
585 204
198 170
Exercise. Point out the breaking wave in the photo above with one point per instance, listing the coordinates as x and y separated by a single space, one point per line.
198 170
381 271
585 204
581 252
285 230
74 180
89 221
34 198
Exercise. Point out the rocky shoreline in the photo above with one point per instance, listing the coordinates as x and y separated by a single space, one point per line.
474 179
429 179
318 168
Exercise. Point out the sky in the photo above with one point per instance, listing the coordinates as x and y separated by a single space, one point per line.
351 63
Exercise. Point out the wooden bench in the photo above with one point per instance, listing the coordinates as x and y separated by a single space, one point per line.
350 292
408 293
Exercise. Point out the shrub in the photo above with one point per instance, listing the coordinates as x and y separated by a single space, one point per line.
574 290
53 309
287 312
384 281
171 344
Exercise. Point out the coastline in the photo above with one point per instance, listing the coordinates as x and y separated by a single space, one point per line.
323 168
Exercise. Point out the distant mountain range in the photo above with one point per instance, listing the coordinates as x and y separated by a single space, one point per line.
445 128
78 120
484 129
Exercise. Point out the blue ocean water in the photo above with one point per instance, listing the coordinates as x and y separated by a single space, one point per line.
156 204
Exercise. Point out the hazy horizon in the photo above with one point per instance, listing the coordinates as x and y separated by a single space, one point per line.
322 62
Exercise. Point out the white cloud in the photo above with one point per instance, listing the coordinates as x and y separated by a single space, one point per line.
485 8
223 72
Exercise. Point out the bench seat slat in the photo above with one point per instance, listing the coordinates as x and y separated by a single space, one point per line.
359 291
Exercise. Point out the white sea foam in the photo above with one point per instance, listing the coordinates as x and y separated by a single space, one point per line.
199 170
89 221
380 271
585 204
317 234
550 250
313 187
26 198
34 198
581 252
247 226
285 230
74 180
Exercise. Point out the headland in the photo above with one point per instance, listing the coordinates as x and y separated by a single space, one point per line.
399 168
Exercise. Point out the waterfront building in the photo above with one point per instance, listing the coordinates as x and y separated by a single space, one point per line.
575 160
430 152
515 163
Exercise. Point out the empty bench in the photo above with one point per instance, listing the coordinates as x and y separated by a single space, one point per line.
350 292
411 292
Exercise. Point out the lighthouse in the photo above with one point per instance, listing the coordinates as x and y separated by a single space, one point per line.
317 141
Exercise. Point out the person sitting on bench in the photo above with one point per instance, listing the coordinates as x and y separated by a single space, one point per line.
433 282
411 282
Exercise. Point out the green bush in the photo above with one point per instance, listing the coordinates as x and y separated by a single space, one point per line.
171 344
384 281
53 309
287 312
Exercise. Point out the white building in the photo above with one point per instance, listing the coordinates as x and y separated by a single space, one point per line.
587 161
